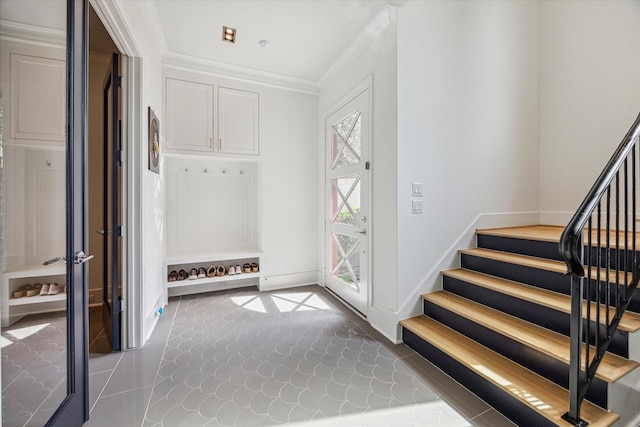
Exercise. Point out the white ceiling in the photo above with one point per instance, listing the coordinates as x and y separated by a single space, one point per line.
305 36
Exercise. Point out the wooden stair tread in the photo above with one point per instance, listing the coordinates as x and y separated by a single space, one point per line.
552 233
540 263
630 321
544 233
553 344
538 393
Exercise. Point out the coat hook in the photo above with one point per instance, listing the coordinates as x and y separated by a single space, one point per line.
205 170
186 169
48 163
224 171
240 171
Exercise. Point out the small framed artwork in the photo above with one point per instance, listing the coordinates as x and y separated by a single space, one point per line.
154 142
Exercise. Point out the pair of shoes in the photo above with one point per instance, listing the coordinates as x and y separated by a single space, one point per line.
202 273
51 289
193 274
182 275
234 270
173 276
254 267
220 270
211 272
247 268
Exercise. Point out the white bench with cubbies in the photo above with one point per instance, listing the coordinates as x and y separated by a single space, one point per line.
216 283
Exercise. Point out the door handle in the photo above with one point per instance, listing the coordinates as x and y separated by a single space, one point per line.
81 258
103 232
56 259
363 232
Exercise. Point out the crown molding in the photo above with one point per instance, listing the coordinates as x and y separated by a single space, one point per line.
234 72
15 31
370 32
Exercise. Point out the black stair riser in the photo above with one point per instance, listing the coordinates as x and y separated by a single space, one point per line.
535 248
548 318
536 277
502 401
613 261
519 273
634 305
536 361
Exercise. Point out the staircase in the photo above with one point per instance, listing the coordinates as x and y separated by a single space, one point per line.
500 327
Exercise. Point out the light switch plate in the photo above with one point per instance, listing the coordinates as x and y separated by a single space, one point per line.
416 207
416 189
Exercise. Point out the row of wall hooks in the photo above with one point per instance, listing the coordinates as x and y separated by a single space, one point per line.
206 170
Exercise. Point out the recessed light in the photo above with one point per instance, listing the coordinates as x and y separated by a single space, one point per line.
228 34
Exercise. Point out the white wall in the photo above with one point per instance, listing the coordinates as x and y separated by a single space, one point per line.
589 95
377 58
467 126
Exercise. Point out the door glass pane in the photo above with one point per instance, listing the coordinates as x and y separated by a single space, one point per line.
345 200
345 259
346 141
33 213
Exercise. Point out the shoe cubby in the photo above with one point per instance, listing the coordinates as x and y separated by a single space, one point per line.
224 278
20 296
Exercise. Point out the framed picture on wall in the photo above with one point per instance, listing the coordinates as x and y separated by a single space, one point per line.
154 142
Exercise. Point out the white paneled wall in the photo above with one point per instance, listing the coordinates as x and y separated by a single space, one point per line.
212 206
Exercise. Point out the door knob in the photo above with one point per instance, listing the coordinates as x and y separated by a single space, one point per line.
81 258
363 232
103 232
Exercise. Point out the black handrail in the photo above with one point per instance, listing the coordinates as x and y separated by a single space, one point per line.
608 264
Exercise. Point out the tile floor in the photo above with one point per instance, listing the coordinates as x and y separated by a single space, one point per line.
298 357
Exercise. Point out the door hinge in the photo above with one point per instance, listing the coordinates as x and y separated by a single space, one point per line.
122 306
367 165
119 81
119 157
119 231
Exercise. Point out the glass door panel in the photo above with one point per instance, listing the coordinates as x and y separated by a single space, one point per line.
41 215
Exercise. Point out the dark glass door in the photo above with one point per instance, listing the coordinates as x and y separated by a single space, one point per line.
43 214
112 230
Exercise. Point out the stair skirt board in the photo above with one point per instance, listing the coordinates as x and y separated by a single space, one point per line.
535 248
536 361
546 317
503 402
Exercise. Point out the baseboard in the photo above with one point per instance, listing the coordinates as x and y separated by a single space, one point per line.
432 281
386 323
289 280
153 317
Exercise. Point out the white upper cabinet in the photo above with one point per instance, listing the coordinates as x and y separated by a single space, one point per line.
189 116
38 99
238 122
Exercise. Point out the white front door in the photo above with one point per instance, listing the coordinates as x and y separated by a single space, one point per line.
347 202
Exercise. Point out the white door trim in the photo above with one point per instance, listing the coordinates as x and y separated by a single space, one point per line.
112 19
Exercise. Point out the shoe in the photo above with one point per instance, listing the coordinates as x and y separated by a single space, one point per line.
21 291
247 268
193 274
254 267
238 269
45 289
202 273
34 289
173 276
220 271
232 270
55 289
211 272
182 275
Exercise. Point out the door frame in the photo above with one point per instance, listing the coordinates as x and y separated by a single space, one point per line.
365 85
132 124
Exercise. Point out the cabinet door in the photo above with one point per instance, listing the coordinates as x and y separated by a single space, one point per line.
189 116
238 122
38 98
